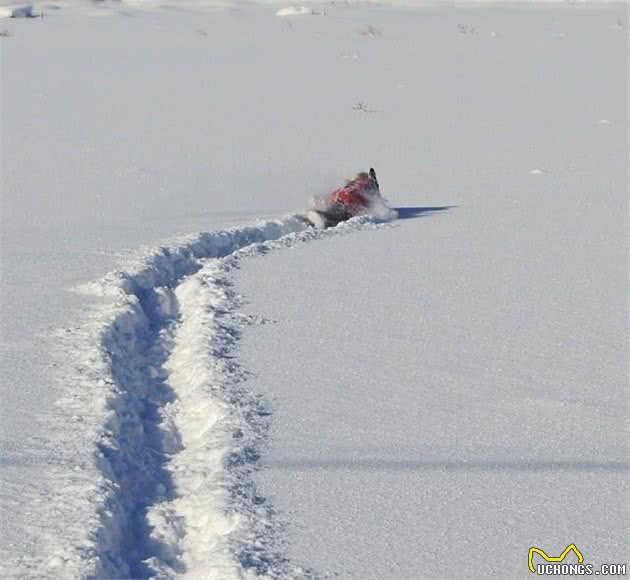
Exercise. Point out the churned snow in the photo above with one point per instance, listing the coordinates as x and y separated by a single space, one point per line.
419 398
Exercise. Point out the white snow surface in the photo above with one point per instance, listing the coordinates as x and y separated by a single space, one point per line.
425 398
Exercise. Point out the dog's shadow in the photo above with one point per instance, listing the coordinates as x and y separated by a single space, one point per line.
407 213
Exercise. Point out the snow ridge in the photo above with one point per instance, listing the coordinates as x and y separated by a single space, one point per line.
173 493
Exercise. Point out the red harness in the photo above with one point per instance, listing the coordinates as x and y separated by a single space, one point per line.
354 195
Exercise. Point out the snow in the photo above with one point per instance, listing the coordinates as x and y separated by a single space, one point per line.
152 373
295 11
427 397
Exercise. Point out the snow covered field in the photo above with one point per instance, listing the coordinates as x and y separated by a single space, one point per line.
425 398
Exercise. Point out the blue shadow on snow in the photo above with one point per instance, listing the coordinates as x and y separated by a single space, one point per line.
407 213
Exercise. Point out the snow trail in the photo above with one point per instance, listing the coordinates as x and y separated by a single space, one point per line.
174 494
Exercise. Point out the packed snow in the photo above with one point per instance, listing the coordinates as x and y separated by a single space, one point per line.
196 383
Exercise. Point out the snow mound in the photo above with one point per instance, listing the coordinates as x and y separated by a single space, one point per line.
296 11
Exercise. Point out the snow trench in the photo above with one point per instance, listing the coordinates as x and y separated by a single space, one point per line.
175 454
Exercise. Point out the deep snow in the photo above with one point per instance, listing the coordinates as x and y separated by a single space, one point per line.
461 392
444 391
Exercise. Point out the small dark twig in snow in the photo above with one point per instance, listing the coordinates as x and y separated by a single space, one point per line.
360 106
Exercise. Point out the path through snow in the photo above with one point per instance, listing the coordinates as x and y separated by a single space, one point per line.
174 493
